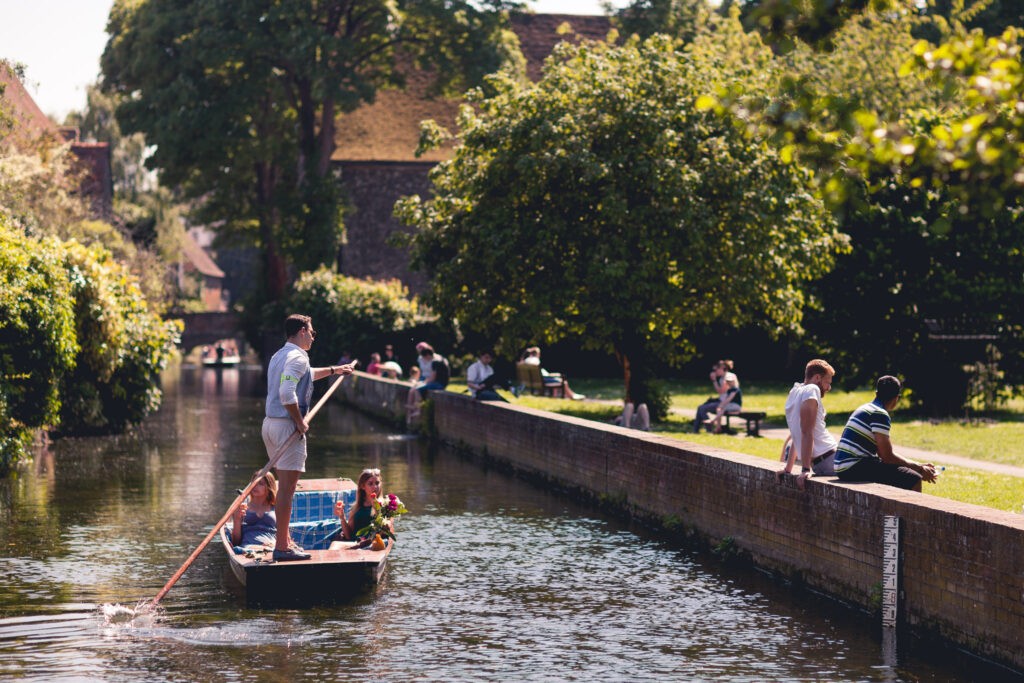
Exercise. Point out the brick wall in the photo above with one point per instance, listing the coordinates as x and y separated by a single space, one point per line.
963 568
381 397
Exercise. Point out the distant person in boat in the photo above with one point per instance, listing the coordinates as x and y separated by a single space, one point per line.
254 523
368 489
289 390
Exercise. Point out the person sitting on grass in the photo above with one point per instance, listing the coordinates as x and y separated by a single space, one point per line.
481 380
865 451
531 356
255 523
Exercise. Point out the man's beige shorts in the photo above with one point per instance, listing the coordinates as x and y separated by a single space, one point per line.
276 431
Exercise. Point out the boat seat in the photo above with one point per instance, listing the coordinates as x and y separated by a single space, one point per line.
313 525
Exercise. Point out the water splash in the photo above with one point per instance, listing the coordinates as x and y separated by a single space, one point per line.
144 614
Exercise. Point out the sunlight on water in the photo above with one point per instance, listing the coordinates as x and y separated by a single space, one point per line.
492 578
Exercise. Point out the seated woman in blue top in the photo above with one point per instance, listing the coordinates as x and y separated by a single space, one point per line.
368 489
255 523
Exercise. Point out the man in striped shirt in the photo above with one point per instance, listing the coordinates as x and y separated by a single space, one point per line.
865 451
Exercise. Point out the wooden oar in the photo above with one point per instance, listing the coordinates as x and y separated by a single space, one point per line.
238 501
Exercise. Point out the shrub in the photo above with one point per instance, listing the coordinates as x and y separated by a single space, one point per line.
123 345
37 338
348 313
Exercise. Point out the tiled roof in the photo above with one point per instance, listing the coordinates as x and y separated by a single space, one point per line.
389 129
198 257
30 122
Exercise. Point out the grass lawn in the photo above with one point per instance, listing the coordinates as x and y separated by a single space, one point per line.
995 438
999 491
999 438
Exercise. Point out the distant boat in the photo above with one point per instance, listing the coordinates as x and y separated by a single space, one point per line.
223 361
334 573
221 355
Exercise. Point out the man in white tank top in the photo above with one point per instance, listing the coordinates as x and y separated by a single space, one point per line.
805 416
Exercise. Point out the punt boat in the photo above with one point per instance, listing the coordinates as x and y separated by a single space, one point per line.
335 572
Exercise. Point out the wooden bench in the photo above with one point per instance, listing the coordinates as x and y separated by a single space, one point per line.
529 376
753 421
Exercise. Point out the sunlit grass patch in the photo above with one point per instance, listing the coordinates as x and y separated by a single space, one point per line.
1000 491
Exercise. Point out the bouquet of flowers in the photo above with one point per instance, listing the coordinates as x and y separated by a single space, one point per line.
383 512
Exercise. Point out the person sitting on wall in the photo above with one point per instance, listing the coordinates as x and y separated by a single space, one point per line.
805 417
531 356
481 380
865 451
437 379
391 369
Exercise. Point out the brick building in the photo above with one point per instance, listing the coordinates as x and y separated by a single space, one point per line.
376 147
34 131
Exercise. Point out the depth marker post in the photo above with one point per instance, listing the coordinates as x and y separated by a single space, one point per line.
892 563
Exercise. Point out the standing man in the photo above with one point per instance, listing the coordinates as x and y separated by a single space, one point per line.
805 416
865 451
289 389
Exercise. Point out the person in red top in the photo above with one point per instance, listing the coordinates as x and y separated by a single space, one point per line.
374 367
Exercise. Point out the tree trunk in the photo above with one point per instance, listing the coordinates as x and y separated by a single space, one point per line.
634 361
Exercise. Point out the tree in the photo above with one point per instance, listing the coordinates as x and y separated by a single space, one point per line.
599 205
240 99
681 19
920 258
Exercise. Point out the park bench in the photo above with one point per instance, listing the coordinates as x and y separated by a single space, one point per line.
753 421
530 377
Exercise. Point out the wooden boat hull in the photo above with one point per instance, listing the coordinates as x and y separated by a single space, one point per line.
328 577
225 362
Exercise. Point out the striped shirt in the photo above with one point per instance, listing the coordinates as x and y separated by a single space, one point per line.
858 439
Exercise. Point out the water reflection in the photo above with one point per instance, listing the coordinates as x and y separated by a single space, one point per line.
492 577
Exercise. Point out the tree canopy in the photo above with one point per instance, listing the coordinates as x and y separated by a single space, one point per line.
240 99
600 205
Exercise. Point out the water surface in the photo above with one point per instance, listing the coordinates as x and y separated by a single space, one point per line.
492 578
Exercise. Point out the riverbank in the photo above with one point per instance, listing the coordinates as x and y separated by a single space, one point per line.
960 561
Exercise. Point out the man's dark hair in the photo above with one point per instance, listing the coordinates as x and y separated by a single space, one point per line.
295 323
887 388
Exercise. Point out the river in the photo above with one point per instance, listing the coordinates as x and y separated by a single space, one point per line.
492 578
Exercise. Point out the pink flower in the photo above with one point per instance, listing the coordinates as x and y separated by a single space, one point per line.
393 505
392 497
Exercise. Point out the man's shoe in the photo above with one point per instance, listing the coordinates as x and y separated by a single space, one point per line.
290 555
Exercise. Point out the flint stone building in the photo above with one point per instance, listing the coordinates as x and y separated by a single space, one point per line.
376 147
